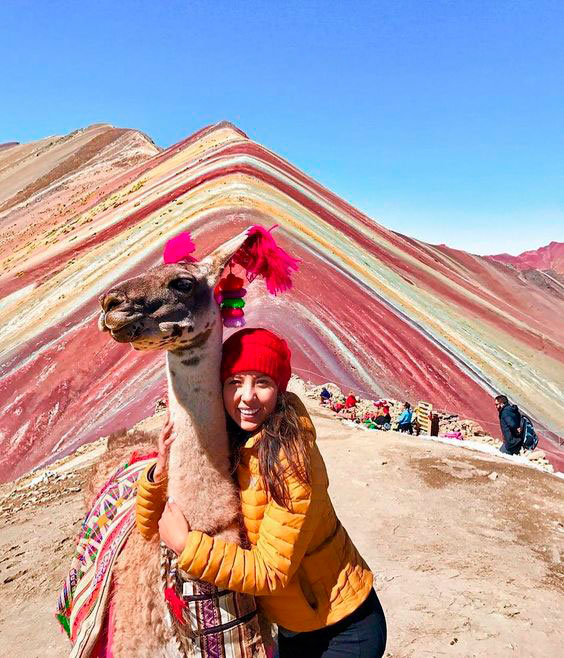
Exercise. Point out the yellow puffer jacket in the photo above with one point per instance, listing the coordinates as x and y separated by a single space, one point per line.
302 564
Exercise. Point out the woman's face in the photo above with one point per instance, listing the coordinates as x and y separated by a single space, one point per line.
249 398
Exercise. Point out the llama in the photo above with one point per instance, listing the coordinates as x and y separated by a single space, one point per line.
172 307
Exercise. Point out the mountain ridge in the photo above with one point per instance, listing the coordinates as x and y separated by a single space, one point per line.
547 257
379 312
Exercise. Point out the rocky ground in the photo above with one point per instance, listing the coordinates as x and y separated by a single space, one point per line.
466 546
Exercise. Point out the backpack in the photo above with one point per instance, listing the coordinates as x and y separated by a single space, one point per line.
528 434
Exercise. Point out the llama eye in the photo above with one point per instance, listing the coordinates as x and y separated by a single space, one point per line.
182 285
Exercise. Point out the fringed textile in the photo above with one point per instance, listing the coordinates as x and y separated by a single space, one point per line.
82 602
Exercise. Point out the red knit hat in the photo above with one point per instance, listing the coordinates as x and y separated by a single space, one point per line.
257 349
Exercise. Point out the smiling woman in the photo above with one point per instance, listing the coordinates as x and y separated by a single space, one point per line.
250 397
255 371
298 559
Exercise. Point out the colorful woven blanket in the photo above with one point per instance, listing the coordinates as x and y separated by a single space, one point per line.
208 622
204 621
81 607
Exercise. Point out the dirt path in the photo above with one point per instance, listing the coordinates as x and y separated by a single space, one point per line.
467 563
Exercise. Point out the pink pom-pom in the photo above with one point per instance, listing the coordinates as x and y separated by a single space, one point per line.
261 256
178 249
232 323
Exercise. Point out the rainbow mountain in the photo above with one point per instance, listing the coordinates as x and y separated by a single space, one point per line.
375 311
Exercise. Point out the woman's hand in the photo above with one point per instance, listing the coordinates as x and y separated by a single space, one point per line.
173 527
165 440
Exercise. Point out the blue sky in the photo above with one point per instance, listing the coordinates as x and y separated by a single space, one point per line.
443 120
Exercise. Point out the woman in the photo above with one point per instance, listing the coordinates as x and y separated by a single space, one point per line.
302 565
383 418
404 420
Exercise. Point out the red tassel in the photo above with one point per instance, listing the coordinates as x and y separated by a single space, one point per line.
137 456
261 256
176 604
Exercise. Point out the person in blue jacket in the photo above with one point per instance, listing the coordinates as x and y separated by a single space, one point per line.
325 396
404 421
510 422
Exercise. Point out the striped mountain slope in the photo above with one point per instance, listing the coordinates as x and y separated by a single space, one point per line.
373 310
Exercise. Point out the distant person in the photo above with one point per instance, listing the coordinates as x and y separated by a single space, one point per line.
325 396
337 406
350 402
510 422
383 418
404 421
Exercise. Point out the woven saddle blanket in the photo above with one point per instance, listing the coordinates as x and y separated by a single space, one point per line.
82 602
208 622
204 621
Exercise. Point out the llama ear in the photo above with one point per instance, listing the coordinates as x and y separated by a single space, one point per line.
215 262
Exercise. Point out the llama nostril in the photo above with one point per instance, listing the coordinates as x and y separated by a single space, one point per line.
153 305
111 301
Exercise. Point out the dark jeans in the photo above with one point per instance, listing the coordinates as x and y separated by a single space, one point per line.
360 635
405 427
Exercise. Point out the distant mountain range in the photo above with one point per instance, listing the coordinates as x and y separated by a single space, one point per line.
549 257
374 311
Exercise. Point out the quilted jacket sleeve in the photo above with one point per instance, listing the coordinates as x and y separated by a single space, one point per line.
284 537
151 499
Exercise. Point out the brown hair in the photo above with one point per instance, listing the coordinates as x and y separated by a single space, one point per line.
282 440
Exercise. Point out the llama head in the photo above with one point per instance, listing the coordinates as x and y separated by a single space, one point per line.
171 306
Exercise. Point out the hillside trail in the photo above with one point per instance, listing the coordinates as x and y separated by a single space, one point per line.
466 547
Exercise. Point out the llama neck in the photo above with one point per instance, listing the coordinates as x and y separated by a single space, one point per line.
199 466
